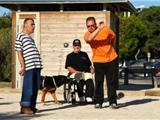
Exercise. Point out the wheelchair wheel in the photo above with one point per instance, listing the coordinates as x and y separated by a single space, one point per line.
67 92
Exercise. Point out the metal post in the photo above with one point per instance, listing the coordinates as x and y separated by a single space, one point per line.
126 76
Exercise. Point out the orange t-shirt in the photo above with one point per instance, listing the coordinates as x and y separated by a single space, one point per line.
102 46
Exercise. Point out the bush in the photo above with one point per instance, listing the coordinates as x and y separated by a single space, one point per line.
5 52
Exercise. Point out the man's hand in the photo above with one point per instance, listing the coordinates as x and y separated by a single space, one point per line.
22 70
91 69
101 25
21 61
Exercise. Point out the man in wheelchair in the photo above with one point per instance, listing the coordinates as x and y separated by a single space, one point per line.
80 68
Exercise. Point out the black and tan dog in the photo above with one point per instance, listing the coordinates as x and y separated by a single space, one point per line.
50 84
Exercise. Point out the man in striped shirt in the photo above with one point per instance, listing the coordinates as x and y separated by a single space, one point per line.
30 61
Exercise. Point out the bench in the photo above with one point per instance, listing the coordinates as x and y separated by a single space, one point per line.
150 71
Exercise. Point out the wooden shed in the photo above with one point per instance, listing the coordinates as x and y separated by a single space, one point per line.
58 23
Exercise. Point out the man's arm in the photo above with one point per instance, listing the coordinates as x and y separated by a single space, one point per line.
21 61
71 70
93 34
68 64
91 69
114 40
90 64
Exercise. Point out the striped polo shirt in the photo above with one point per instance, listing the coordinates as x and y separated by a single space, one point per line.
26 45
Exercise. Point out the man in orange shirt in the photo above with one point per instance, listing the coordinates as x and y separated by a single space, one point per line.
102 41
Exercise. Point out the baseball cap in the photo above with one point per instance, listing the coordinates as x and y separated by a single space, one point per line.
76 42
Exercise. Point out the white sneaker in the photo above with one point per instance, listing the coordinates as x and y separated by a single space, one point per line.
81 99
89 99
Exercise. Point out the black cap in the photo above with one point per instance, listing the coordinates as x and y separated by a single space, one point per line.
76 42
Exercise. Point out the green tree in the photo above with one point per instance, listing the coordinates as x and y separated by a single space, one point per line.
132 36
5 48
5 21
151 17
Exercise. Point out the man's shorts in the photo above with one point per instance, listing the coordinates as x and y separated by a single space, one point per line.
81 75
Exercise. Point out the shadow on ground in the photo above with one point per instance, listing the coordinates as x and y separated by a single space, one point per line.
18 116
67 105
6 103
133 102
137 102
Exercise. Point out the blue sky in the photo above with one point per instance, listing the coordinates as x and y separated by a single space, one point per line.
3 10
136 3
145 3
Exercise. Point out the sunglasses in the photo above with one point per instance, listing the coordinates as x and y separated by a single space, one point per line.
88 26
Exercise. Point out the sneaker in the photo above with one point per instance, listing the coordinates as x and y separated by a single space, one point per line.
89 99
98 106
114 106
81 99
26 110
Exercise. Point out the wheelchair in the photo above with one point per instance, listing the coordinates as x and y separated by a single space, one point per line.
70 89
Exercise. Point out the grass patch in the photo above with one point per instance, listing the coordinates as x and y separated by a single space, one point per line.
5 84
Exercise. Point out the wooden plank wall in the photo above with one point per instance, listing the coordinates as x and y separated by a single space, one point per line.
58 28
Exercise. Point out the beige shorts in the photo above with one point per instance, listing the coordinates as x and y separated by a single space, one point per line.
81 75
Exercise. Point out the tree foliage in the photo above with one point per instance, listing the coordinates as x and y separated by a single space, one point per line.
132 35
151 17
5 48
5 22
140 32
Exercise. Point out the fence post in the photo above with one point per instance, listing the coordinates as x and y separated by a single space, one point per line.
126 76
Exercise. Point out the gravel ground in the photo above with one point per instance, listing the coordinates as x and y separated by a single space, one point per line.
131 108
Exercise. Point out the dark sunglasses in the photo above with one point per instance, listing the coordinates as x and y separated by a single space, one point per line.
88 26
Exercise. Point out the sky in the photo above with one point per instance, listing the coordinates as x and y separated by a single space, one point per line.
145 3
136 3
